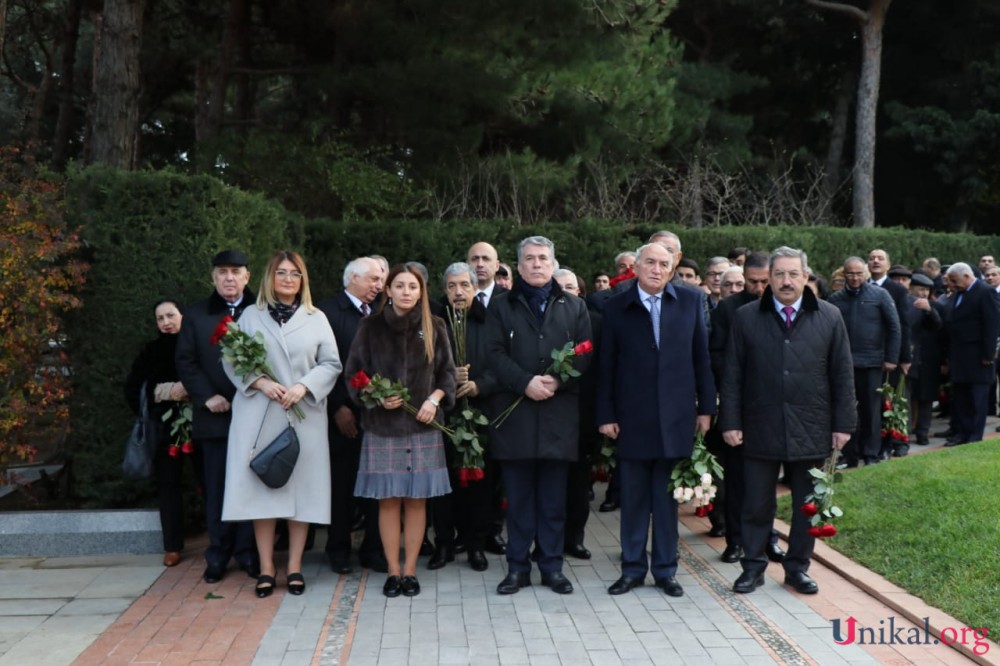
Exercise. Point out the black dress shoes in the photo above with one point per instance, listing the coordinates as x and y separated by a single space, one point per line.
460 548
513 583
774 552
478 561
557 582
901 451
801 582
410 585
625 584
393 586
577 550
922 440
339 564
748 582
264 587
945 433
375 561
670 586
214 573
496 545
442 556
732 554
251 569
608 505
954 441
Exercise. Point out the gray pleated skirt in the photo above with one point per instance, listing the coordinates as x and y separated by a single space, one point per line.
410 466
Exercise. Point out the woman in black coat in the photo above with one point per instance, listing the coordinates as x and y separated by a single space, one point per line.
154 366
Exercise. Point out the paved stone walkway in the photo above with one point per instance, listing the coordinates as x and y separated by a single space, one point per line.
129 610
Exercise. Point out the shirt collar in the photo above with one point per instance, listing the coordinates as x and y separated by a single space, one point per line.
780 307
354 299
644 295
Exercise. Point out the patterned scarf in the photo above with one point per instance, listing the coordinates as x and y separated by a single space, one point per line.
281 313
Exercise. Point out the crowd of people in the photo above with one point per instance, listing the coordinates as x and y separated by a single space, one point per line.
776 366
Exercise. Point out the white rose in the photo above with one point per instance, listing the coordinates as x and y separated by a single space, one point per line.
699 491
706 479
679 494
688 494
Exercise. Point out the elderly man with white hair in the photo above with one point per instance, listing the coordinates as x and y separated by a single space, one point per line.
972 324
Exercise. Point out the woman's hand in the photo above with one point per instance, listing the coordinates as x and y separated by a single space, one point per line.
428 410
293 395
392 402
270 388
178 392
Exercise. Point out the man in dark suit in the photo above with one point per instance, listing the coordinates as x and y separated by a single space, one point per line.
363 280
787 398
199 368
972 324
655 389
756 274
878 266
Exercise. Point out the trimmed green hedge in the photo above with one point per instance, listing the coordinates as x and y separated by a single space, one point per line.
148 235
152 234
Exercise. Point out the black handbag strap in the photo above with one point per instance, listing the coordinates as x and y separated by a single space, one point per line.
288 416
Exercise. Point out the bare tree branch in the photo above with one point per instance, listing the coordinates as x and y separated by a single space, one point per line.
840 8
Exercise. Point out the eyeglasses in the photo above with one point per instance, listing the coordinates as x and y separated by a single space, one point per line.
283 274
852 274
733 284
715 273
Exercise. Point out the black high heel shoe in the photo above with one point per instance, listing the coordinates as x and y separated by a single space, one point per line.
265 586
296 583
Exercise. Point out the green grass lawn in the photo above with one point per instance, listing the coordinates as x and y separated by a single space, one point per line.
930 524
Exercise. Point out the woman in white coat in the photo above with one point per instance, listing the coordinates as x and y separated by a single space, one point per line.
302 352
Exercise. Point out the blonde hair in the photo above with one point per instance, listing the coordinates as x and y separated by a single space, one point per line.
426 323
265 295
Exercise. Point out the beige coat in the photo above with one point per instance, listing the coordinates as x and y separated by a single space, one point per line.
302 351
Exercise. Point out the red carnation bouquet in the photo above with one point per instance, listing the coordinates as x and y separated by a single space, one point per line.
375 389
895 411
819 506
180 419
247 354
562 365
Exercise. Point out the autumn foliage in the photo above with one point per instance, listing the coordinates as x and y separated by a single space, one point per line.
39 273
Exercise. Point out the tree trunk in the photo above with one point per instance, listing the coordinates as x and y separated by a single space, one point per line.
864 141
64 123
115 121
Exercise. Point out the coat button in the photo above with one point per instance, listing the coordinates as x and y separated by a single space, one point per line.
409 469
786 372
541 337
409 450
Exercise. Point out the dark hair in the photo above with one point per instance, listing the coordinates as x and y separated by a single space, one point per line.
738 252
173 301
426 324
757 260
689 263
503 272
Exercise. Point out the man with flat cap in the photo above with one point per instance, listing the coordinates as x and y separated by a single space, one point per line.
200 369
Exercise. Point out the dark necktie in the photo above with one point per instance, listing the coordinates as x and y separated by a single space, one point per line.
482 298
365 310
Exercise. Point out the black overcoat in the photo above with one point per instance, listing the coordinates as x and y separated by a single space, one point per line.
972 328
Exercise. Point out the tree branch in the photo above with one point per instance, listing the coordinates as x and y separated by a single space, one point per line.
840 8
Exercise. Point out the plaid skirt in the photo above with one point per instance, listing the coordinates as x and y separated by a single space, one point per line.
409 466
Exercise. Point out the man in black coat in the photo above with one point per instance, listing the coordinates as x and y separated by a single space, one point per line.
787 398
199 367
972 324
538 440
924 379
363 280
878 266
730 500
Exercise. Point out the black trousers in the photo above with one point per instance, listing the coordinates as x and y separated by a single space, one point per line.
866 441
969 407
536 513
760 478
170 496
465 513
345 457
225 540
577 500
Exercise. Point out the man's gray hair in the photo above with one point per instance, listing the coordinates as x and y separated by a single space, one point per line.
536 240
715 261
735 268
663 233
790 253
563 272
961 268
618 257
851 260
643 248
460 268
358 266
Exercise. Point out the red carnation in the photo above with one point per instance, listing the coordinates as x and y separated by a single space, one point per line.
809 509
886 405
702 511
476 474
221 330
829 531
815 531
584 347
503 504
174 451
463 477
360 380
187 447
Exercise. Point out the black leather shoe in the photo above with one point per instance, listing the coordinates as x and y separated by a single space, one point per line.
410 585
774 552
625 584
340 564
513 583
460 548
557 582
717 531
375 562
252 569
496 545
393 586
801 582
442 556
608 505
955 441
922 440
214 573
748 582
265 586
577 550
670 586
478 561
900 451
296 583
732 554
945 433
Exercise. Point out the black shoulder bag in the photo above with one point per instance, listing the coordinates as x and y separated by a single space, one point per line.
275 462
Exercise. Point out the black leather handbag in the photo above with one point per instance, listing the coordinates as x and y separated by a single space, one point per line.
140 450
275 462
